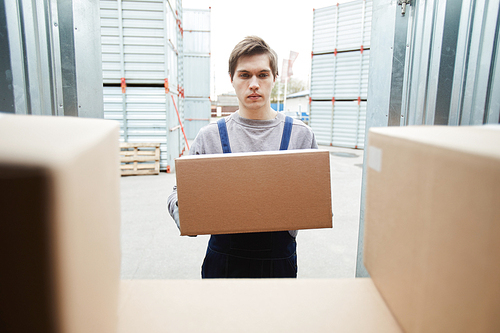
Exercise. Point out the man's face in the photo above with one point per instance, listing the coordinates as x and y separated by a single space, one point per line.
253 81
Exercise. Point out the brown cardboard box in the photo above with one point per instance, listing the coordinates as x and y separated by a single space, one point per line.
432 238
60 225
252 192
432 226
241 305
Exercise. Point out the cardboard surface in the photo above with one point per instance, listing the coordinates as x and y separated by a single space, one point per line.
279 305
432 231
60 230
253 192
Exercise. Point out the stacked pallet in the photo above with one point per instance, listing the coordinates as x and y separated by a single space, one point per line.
139 159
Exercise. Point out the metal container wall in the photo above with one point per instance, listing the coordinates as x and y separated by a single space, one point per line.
435 65
340 76
339 73
145 117
196 115
341 123
139 42
196 32
52 62
197 77
142 52
197 106
452 76
342 27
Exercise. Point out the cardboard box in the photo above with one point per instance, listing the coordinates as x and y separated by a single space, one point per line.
432 226
60 230
431 236
253 192
258 305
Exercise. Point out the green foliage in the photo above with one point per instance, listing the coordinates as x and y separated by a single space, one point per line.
294 85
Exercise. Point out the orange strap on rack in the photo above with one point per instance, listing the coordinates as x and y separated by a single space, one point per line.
167 90
180 123
124 85
180 90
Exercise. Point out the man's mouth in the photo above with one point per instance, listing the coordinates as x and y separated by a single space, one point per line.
254 96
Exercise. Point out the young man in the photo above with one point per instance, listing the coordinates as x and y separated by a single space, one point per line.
254 127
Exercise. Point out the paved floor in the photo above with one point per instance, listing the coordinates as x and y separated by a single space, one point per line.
153 249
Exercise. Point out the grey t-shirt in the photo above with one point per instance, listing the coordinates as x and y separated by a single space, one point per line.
248 135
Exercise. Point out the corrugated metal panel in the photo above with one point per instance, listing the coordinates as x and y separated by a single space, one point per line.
196 19
343 76
342 27
196 43
142 42
339 73
351 77
51 58
196 32
176 141
354 25
349 118
322 76
451 75
196 70
324 29
144 118
197 113
321 121
339 124
436 65
197 76
138 41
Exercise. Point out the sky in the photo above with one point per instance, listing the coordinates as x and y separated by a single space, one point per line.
285 25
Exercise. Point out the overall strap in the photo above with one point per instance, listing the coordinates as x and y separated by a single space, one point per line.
287 131
224 138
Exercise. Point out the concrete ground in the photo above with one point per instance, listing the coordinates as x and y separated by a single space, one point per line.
153 249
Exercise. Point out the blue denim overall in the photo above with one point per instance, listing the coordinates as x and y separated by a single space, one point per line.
251 255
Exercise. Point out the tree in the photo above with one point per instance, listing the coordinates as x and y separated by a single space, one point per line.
294 85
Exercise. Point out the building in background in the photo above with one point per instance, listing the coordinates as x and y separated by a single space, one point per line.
298 103
225 105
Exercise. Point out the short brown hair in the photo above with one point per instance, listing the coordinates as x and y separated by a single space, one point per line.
250 46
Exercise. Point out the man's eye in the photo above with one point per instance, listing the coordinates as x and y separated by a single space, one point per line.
243 75
264 75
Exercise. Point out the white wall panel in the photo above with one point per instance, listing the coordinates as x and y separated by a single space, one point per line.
146 115
342 27
142 43
340 76
138 41
197 51
340 124
339 73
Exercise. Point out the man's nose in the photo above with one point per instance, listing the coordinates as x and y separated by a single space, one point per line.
254 83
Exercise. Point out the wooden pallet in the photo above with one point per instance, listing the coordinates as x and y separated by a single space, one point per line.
139 159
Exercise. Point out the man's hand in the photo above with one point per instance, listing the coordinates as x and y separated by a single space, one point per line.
175 216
